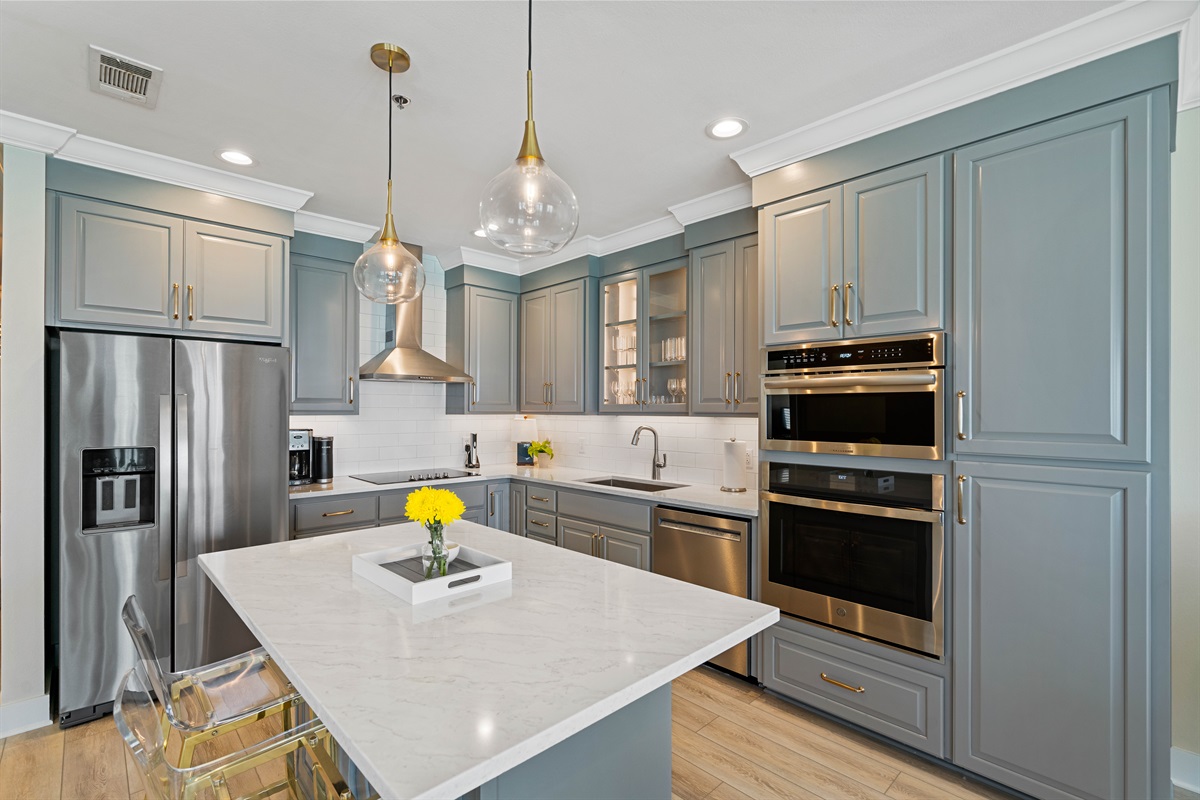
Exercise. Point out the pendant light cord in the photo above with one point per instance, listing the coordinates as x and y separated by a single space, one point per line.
529 44
389 105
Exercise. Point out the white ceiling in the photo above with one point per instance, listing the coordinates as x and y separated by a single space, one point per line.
623 89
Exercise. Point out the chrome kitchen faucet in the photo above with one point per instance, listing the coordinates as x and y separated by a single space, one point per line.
658 464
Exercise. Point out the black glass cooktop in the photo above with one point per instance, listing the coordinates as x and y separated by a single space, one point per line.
413 476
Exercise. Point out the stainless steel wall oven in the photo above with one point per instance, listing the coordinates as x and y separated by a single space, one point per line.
871 397
856 549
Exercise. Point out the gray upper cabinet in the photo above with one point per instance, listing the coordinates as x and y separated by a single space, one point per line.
482 339
802 268
118 265
554 363
324 336
1051 274
894 248
863 259
234 281
723 368
130 268
1051 609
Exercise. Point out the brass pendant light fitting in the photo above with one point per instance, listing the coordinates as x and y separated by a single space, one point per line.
391 59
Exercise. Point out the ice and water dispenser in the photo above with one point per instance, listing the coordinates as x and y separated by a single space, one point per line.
118 488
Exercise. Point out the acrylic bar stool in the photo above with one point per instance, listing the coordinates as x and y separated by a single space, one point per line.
208 702
249 772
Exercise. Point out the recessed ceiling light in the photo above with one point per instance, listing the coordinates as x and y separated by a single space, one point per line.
480 233
235 157
726 127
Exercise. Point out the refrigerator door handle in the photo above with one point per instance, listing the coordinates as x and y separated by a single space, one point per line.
163 476
183 495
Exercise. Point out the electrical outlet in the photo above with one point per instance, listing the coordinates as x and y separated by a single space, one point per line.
749 460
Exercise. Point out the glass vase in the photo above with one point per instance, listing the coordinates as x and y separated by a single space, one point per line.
433 552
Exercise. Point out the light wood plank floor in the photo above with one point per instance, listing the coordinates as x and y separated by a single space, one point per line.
730 741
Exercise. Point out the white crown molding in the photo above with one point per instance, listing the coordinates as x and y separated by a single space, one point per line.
639 234
32 134
321 225
712 205
479 258
1116 28
1189 63
143 164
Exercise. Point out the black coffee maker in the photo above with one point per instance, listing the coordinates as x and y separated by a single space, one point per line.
299 456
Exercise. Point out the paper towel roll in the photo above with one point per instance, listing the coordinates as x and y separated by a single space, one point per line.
733 467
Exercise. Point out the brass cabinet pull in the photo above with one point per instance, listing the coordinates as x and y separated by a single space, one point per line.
351 400
337 513
175 300
846 305
737 388
594 535
833 294
960 396
474 392
491 504
728 376
545 394
645 391
539 499
539 524
962 520
191 304
846 686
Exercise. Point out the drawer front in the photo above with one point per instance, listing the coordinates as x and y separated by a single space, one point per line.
539 498
334 514
473 496
903 703
391 507
605 510
541 525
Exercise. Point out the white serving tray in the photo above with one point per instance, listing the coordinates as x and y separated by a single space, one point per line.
489 570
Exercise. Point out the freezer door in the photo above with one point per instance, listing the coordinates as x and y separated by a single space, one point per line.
110 483
231 471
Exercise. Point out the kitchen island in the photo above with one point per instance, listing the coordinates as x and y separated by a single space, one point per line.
556 683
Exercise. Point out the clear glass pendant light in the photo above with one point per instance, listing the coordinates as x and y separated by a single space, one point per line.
388 272
527 209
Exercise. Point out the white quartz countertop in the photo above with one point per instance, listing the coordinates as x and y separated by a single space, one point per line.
703 497
436 699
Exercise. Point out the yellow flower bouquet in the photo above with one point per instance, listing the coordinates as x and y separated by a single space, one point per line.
434 508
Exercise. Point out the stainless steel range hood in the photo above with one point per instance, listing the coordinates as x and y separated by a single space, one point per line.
402 358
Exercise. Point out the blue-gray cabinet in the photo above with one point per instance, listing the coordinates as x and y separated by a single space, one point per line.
481 338
554 353
863 259
1053 244
1051 629
624 547
723 367
324 336
516 509
130 268
498 506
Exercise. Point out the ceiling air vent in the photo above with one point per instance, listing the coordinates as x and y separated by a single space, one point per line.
122 77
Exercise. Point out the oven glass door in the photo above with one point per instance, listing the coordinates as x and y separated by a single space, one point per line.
835 414
873 570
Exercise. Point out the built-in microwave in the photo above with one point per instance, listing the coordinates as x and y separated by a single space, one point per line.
871 397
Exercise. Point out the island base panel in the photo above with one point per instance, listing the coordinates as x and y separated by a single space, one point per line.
626 754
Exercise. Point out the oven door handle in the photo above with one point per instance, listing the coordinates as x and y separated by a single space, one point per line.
833 381
914 514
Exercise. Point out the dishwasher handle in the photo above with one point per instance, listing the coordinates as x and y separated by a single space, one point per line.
698 530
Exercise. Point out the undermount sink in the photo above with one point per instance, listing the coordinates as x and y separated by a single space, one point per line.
633 483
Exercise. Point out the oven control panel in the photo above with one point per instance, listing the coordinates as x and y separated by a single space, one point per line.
922 349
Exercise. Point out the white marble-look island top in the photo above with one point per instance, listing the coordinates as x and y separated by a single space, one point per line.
437 699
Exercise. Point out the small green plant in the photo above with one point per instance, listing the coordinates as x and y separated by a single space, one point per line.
536 448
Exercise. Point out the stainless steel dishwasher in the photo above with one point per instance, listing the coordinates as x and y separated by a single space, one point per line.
708 551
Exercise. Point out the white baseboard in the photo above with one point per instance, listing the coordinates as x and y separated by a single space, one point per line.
26 715
1185 769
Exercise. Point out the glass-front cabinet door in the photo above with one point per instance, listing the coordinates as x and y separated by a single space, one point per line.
645 341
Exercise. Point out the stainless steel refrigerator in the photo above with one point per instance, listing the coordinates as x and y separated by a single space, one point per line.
166 449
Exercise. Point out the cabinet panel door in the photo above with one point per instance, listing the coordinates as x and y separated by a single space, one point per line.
894 250
492 350
234 281
746 331
567 362
1053 234
578 536
625 547
498 511
535 350
802 265
324 336
713 315
516 510
1050 624
118 265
